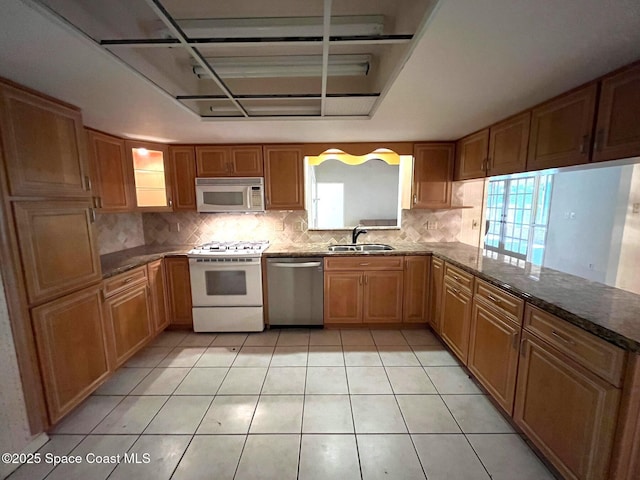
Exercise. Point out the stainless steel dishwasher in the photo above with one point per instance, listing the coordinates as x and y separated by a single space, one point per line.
295 291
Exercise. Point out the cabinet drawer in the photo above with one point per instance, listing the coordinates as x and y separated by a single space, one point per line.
124 280
597 355
462 278
498 298
364 263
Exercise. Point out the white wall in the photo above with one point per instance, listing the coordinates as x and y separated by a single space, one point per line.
14 426
581 222
371 189
628 276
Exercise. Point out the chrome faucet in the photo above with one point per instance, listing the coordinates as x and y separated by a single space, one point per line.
356 233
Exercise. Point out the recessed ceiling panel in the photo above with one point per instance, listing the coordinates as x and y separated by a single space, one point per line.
257 59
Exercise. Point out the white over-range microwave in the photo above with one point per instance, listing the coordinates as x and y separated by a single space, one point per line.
239 194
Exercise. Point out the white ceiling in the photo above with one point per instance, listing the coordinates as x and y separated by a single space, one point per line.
478 62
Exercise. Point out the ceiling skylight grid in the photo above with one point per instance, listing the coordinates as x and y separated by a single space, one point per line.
246 59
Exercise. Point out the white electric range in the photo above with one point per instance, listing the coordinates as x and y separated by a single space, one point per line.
226 286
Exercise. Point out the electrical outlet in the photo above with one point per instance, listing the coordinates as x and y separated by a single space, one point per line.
475 224
636 208
433 225
174 227
298 226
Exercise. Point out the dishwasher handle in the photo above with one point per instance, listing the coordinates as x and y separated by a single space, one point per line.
296 265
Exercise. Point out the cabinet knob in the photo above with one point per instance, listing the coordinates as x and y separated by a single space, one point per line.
583 143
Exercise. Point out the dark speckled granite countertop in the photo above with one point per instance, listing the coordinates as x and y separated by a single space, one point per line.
609 313
124 260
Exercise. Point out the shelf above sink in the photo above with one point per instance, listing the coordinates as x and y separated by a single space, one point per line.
361 247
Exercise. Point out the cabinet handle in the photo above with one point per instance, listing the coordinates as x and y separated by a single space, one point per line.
128 280
170 202
523 352
92 215
366 279
455 277
87 183
364 264
583 143
516 340
598 142
455 290
494 299
562 338
415 199
487 162
360 279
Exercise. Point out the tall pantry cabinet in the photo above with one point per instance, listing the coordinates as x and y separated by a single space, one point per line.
48 212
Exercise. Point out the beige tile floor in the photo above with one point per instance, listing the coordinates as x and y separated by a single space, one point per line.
291 404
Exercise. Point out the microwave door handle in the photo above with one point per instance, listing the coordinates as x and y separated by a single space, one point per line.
249 198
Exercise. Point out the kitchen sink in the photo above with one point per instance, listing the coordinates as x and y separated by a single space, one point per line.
361 247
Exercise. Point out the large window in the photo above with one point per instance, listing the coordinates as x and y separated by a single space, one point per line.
518 214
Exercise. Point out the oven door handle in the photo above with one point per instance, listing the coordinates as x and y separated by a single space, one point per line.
220 265
296 265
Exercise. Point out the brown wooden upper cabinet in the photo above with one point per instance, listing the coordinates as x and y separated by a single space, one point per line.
471 155
58 247
618 128
112 172
229 161
508 142
182 170
432 175
284 177
150 176
44 145
561 130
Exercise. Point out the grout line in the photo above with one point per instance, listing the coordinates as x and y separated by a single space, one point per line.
353 418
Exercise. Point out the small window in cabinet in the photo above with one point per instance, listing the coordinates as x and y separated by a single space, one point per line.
149 177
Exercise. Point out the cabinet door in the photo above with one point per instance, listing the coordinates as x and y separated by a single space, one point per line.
284 177
58 247
432 175
152 185
247 161
179 291
382 301
113 174
213 161
182 166
435 293
129 321
493 353
471 156
456 319
416 289
44 144
158 296
70 340
618 128
508 142
561 130
343 297
567 411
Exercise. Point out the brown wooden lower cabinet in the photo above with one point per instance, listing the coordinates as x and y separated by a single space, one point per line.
455 318
435 293
343 297
493 353
179 291
128 321
70 338
567 411
417 270
382 297
155 272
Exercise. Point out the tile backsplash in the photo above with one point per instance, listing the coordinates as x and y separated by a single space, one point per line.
191 228
119 231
